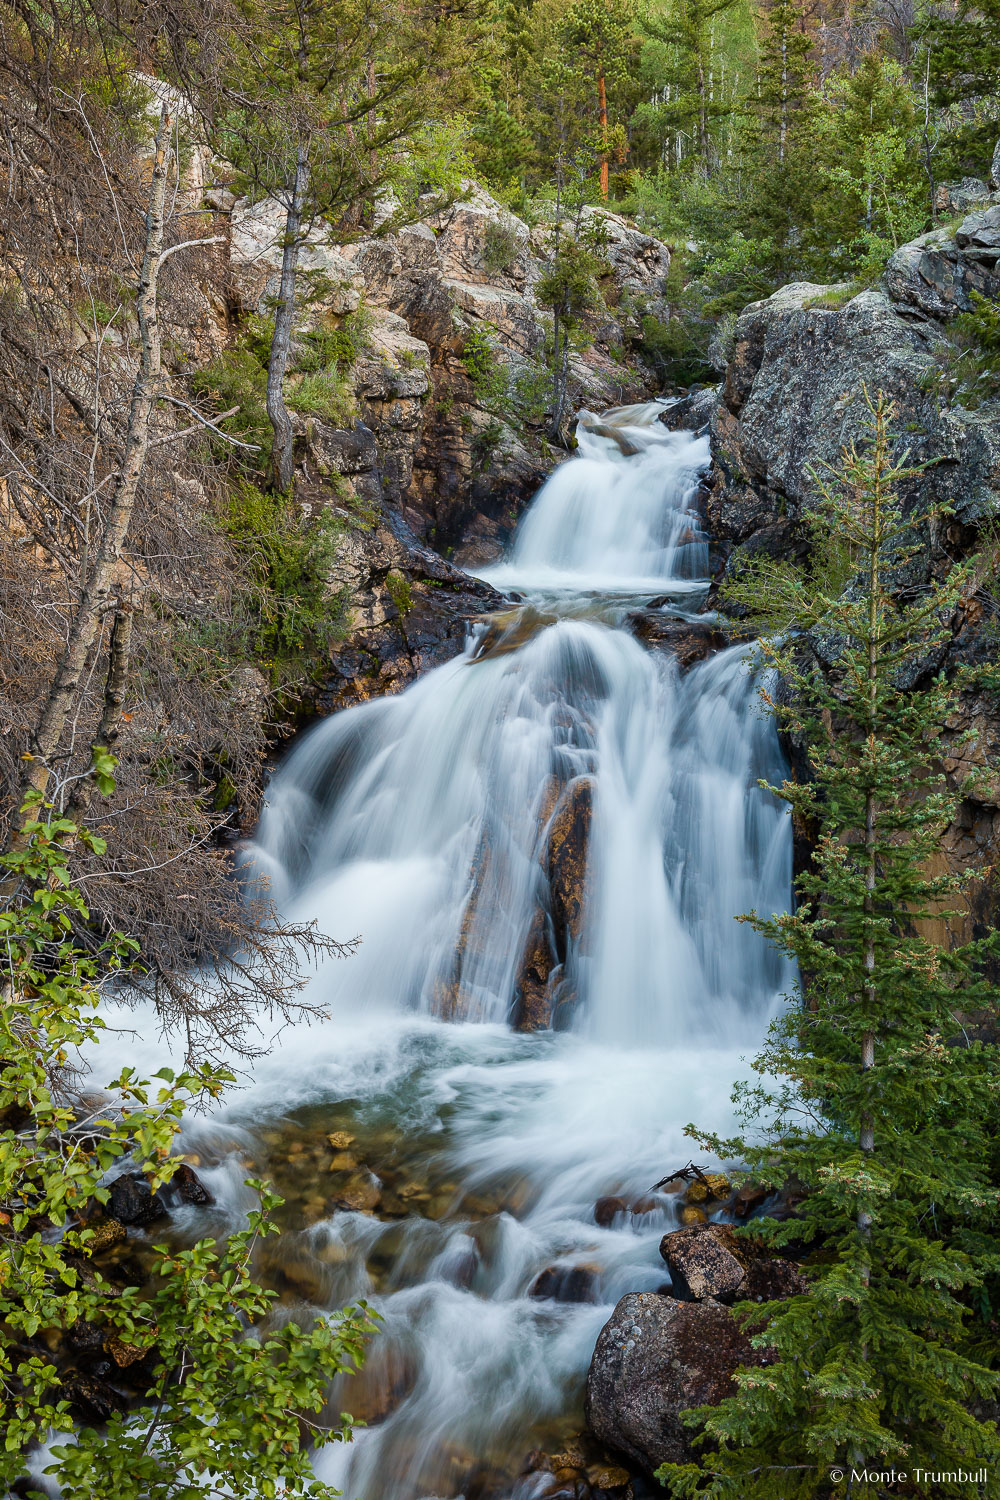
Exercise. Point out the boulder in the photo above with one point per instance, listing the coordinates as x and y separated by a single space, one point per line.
704 1260
656 1358
186 1187
532 1008
131 1200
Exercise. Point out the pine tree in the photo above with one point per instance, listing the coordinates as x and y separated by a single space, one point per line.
873 1099
784 75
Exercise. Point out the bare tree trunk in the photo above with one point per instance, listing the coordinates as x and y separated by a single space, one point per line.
96 589
119 658
284 318
602 110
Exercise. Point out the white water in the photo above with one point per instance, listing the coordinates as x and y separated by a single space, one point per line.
615 522
373 827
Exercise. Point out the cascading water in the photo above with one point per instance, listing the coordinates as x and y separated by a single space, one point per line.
420 822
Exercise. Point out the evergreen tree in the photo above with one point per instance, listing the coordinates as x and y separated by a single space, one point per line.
868 151
874 1101
963 44
784 76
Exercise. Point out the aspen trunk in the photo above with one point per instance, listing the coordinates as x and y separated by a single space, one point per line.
281 445
97 586
602 108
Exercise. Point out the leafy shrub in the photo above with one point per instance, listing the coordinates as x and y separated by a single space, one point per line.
221 1389
971 371
323 348
236 377
479 360
677 351
399 591
484 444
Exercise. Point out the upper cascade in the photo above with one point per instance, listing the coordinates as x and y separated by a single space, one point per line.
618 518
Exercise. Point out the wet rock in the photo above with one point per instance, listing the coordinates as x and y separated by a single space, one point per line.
657 1358
750 1196
689 641
380 1387
692 1214
709 1187
92 1399
343 1161
132 1201
566 1284
123 1353
360 1193
532 1008
105 1235
567 848
510 629
704 1261
186 1187
609 1480
340 1140
606 1209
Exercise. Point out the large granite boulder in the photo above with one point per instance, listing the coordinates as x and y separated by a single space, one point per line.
655 1359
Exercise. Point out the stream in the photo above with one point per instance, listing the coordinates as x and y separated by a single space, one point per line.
434 1160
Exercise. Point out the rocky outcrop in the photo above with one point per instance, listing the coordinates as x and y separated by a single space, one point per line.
794 391
655 1359
794 395
450 398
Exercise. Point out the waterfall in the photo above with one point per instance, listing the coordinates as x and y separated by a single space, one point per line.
423 824
619 518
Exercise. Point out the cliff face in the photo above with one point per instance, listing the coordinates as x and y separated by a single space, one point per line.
794 395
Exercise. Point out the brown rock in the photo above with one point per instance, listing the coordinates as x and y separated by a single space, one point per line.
340 1140
605 1210
566 858
532 1008
122 1353
383 1383
692 1214
105 1235
360 1193
750 1196
566 1284
186 1186
702 1263
656 1358
771 1280
610 1480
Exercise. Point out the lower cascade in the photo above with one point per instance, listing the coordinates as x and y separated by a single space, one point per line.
542 847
